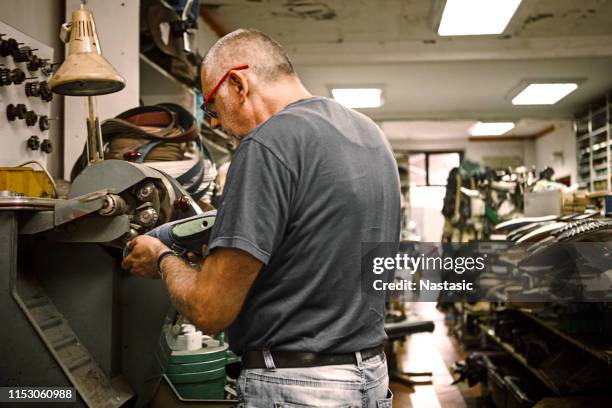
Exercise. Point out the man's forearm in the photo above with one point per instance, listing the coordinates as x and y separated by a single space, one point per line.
181 280
212 297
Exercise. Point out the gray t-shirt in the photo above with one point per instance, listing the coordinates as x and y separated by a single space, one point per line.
304 190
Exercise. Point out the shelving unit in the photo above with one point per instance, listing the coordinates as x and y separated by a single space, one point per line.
588 352
158 85
593 145
593 345
541 375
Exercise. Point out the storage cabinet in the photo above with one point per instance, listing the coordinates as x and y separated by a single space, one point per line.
593 138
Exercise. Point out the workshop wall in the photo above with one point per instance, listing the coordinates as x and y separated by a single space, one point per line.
18 14
431 145
522 151
493 153
558 150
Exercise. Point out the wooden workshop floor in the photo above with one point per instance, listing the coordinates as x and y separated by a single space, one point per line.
435 352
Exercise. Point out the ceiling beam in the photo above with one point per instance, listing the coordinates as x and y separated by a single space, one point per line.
518 114
489 139
543 132
449 49
429 145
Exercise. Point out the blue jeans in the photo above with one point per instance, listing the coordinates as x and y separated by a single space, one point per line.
361 385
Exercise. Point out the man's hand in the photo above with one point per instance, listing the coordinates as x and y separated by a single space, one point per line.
142 260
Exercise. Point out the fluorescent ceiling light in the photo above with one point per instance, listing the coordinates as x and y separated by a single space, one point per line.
358 97
491 128
476 17
543 94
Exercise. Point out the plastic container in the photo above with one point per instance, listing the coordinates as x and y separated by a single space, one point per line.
198 367
199 374
202 385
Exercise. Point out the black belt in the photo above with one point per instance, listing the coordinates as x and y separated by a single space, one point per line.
298 359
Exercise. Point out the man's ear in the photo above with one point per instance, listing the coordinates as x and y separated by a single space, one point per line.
239 84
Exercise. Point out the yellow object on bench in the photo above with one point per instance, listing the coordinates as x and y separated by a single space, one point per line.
27 181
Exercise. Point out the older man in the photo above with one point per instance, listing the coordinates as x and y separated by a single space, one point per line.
310 181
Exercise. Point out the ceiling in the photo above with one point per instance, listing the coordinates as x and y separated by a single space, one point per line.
417 130
393 44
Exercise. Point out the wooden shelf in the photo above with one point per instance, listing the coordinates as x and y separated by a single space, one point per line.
600 147
600 166
164 73
598 110
599 131
587 344
600 156
538 373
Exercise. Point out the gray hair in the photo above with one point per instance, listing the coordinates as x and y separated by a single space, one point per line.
265 57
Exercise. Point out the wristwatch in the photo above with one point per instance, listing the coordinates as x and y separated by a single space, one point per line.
161 257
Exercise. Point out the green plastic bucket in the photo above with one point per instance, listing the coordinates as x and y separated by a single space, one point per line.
187 368
199 374
203 385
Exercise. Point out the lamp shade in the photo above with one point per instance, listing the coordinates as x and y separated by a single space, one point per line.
85 71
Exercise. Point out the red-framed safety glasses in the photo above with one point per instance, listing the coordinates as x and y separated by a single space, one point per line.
209 101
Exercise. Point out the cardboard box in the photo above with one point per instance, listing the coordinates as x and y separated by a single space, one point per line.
542 203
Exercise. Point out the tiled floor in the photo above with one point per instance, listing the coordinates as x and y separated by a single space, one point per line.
435 352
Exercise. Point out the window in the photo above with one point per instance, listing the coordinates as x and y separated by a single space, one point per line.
417 173
431 169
